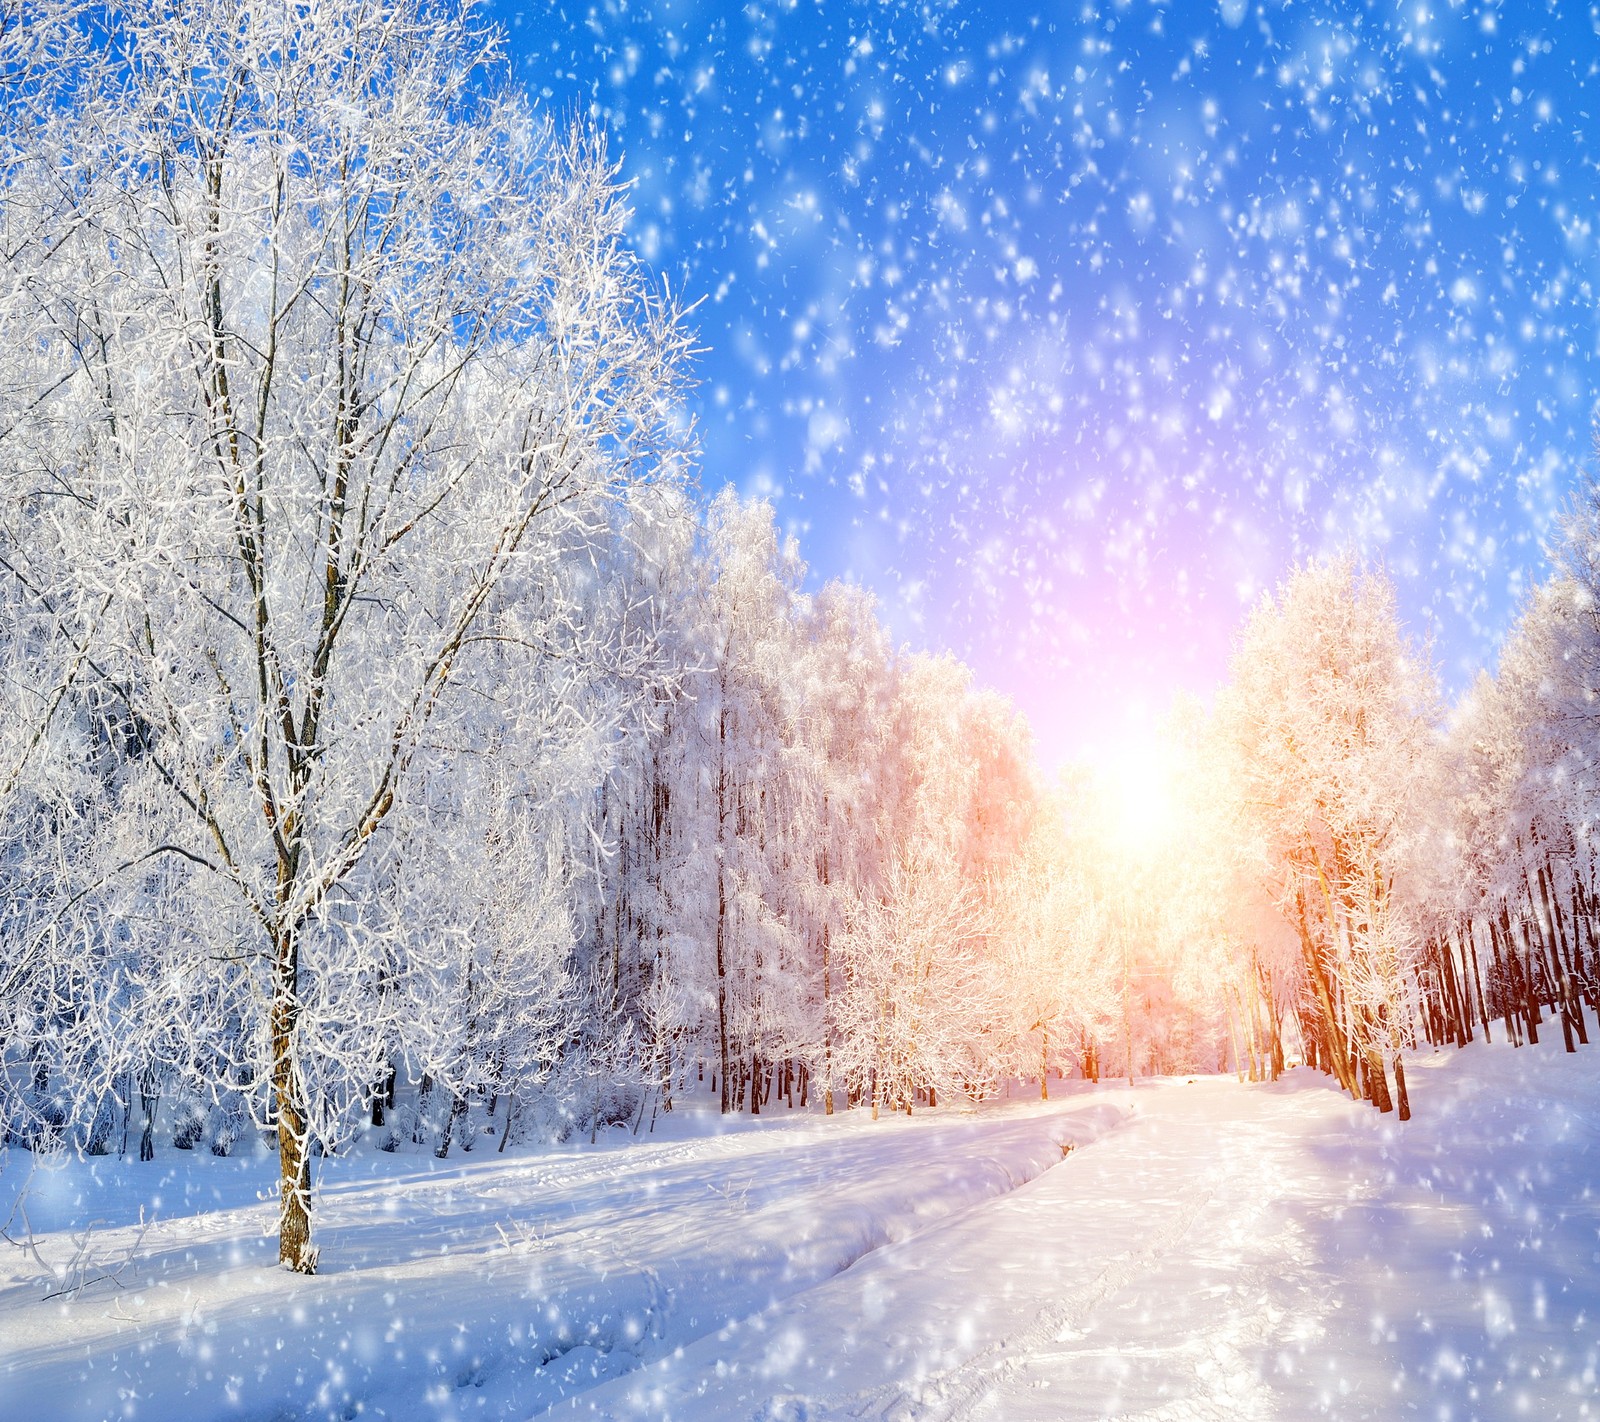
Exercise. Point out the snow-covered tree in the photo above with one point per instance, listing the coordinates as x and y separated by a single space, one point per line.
1332 716
336 349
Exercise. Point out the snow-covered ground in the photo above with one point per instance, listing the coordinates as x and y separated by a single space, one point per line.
1206 1250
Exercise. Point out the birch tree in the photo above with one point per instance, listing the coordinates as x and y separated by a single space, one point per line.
337 343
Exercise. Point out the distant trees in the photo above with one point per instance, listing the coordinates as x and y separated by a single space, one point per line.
1055 935
922 998
1362 871
1515 935
807 843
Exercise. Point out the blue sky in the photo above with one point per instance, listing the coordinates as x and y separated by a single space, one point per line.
1069 329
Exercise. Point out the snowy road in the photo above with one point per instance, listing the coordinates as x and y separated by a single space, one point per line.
1206 1251
1230 1253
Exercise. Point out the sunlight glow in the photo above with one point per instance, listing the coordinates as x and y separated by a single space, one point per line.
1138 806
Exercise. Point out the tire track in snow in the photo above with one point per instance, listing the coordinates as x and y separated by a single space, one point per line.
958 1393
1067 1134
976 1387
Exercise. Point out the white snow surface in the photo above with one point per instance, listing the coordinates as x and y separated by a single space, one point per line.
1205 1250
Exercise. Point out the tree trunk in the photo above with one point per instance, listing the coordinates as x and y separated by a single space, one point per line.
1574 1002
722 902
149 1103
419 1117
1558 922
383 1095
1477 981
1544 934
1530 996
1377 1079
1450 943
1449 991
1339 1050
295 1250
1506 974
1579 971
827 993
458 1110
1233 1035
1566 940
1308 1043
1251 1006
1585 943
1275 1023
1522 962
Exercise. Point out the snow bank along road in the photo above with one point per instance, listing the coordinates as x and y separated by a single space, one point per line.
1208 1251
480 1287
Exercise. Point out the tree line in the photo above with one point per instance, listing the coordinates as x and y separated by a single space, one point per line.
1365 867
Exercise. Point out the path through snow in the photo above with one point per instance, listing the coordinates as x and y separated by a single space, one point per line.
1232 1253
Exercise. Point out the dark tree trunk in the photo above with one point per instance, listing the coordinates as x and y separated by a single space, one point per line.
458 1109
827 993
383 1096
1477 982
424 1096
1504 977
295 1250
149 1103
1583 933
1566 939
722 903
1341 1052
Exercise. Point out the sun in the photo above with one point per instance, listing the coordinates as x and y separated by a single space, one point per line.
1136 803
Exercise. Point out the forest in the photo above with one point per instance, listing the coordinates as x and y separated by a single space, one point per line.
396 740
